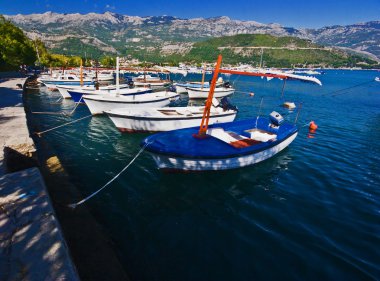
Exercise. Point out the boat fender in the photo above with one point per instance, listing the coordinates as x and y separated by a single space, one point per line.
312 126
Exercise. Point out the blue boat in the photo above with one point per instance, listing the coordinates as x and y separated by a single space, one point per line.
225 146
221 146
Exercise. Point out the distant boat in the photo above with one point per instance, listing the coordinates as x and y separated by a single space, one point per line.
105 76
221 146
98 104
149 81
202 93
65 79
377 79
183 87
168 118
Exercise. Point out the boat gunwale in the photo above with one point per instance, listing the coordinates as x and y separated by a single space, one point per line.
172 117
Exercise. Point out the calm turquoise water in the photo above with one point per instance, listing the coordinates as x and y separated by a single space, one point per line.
310 213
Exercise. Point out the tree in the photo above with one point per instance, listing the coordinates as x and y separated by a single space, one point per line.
108 61
15 47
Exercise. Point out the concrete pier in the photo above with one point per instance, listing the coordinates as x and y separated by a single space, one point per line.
31 242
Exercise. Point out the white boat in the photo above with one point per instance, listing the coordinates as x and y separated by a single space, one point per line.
63 89
149 81
76 95
97 104
105 76
377 79
152 84
65 79
202 93
182 87
167 118
147 78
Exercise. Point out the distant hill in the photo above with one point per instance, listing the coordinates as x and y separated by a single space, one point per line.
274 51
109 33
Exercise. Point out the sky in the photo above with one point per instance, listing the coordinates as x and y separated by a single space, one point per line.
296 13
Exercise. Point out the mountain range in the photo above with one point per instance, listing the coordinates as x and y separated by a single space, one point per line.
111 33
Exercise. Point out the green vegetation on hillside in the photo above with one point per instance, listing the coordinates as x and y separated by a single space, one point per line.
15 47
277 52
284 52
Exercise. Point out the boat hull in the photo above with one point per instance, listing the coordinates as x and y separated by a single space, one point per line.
170 163
63 89
98 105
203 93
134 123
76 96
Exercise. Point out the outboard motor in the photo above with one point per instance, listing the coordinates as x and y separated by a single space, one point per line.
276 119
172 88
226 104
227 85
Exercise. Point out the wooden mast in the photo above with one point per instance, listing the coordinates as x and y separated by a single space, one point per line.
81 73
117 76
206 112
203 77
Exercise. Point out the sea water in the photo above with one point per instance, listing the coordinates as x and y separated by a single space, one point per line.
312 212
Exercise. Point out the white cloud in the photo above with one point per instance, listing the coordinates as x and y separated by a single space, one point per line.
108 6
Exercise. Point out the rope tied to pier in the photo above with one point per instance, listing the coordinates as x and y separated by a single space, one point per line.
57 127
74 205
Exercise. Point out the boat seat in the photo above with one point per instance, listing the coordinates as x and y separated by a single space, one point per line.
231 138
260 135
169 112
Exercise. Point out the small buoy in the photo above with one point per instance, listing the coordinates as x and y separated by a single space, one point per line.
312 126
251 94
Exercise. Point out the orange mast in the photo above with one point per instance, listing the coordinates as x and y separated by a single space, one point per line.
206 113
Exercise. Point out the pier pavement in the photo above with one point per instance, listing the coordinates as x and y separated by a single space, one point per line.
31 242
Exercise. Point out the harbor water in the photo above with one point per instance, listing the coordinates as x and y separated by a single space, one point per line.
312 212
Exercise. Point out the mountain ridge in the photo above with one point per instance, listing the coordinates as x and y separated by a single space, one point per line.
114 33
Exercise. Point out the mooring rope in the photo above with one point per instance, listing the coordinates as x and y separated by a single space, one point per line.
337 92
47 112
68 123
72 111
74 205
58 100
